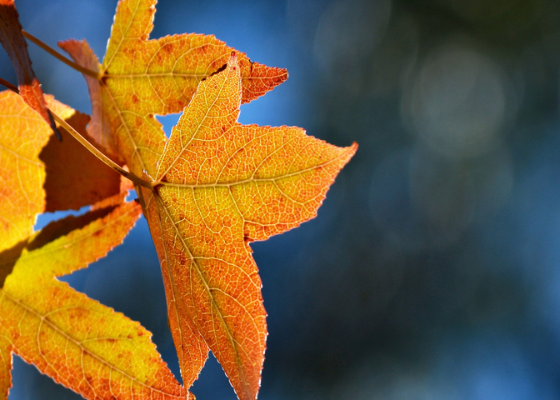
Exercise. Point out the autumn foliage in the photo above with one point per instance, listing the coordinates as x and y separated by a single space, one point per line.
208 191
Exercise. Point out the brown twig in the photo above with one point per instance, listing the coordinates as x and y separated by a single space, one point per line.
9 85
62 58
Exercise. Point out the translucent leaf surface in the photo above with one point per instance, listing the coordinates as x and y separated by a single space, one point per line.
222 185
80 343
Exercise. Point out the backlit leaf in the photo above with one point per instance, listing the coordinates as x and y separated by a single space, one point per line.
80 343
222 185
208 191
74 177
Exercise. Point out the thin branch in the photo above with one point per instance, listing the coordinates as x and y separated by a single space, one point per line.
9 85
62 58
102 157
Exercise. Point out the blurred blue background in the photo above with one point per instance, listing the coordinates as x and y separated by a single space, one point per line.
433 268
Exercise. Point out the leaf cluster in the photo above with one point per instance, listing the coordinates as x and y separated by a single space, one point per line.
208 191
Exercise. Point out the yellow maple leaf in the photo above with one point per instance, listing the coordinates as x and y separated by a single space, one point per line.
80 343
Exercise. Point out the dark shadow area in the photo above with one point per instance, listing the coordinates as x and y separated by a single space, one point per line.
51 232
71 168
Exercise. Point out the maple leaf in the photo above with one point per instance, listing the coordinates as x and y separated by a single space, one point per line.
13 41
220 185
140 78
80 343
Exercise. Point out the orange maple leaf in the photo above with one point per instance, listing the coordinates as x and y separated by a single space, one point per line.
140 78
220 185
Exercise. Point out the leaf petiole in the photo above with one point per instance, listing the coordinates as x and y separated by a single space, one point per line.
102 157
9 85
62 58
